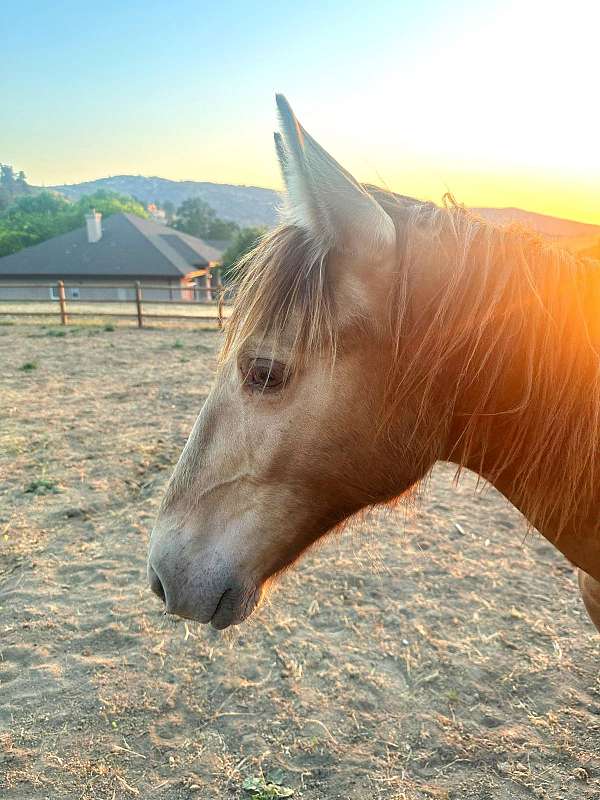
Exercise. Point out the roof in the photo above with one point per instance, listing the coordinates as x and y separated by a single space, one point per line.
130 247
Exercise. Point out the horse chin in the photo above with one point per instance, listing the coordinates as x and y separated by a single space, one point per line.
234 608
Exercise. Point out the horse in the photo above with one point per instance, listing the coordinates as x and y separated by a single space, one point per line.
372 335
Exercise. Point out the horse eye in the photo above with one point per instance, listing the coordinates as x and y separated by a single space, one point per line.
263 375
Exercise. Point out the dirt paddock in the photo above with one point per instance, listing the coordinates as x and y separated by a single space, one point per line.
439 656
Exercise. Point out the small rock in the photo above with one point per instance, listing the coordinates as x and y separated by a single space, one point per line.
581 774
75 513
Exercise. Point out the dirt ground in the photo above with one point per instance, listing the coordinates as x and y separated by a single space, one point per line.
445 655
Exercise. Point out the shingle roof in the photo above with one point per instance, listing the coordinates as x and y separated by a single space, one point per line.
129 247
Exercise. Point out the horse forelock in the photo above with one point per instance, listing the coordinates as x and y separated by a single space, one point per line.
283 291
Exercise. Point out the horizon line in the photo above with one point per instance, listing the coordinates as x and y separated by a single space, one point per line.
279 191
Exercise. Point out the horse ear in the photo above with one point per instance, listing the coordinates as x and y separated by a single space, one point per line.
323 198
282 158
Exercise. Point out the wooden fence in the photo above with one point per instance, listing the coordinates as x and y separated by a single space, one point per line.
145 301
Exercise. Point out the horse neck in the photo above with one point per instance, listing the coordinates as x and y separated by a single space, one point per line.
527 414
578 538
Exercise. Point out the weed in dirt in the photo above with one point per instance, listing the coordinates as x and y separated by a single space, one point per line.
28 366
6 322
57 332
262 788
178 344
42 486
452 696
109 328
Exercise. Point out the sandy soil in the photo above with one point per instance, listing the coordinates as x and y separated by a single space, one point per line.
441 656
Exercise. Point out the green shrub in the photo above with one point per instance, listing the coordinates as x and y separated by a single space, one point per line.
42 486
268 788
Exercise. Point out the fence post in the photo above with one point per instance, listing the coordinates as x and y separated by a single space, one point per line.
62 302
138 303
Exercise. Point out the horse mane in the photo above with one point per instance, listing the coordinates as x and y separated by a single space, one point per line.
508 339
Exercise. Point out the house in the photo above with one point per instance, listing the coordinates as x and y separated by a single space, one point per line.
156 213
105 259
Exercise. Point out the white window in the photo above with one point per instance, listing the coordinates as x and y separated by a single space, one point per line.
54 293
74 293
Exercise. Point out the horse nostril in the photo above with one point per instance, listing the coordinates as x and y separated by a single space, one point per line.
156 585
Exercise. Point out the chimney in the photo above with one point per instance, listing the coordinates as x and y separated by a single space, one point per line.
93 224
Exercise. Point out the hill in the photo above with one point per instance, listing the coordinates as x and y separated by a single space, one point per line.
555 227
246 205
593 251
253 205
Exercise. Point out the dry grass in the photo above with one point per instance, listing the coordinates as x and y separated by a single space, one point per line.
437 657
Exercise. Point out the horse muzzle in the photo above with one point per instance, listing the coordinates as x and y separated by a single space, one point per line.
199 583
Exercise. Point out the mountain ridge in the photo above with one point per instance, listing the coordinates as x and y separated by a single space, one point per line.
256 205
246 205
542 223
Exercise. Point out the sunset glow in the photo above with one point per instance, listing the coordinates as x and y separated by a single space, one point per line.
496 101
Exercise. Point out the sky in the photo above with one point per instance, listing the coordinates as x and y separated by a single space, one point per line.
494 100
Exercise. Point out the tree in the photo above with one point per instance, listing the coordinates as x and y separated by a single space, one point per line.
11 241
45 203
7 176
196 217
169 208
11 186
245 240
108 203
33 218
223 230
5 198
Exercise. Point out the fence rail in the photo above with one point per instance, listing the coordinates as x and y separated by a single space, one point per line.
135 304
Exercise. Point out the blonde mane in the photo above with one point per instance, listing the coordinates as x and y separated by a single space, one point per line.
507 339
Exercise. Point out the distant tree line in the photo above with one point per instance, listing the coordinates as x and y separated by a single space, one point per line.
29 216
33 218
196 217
12 185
